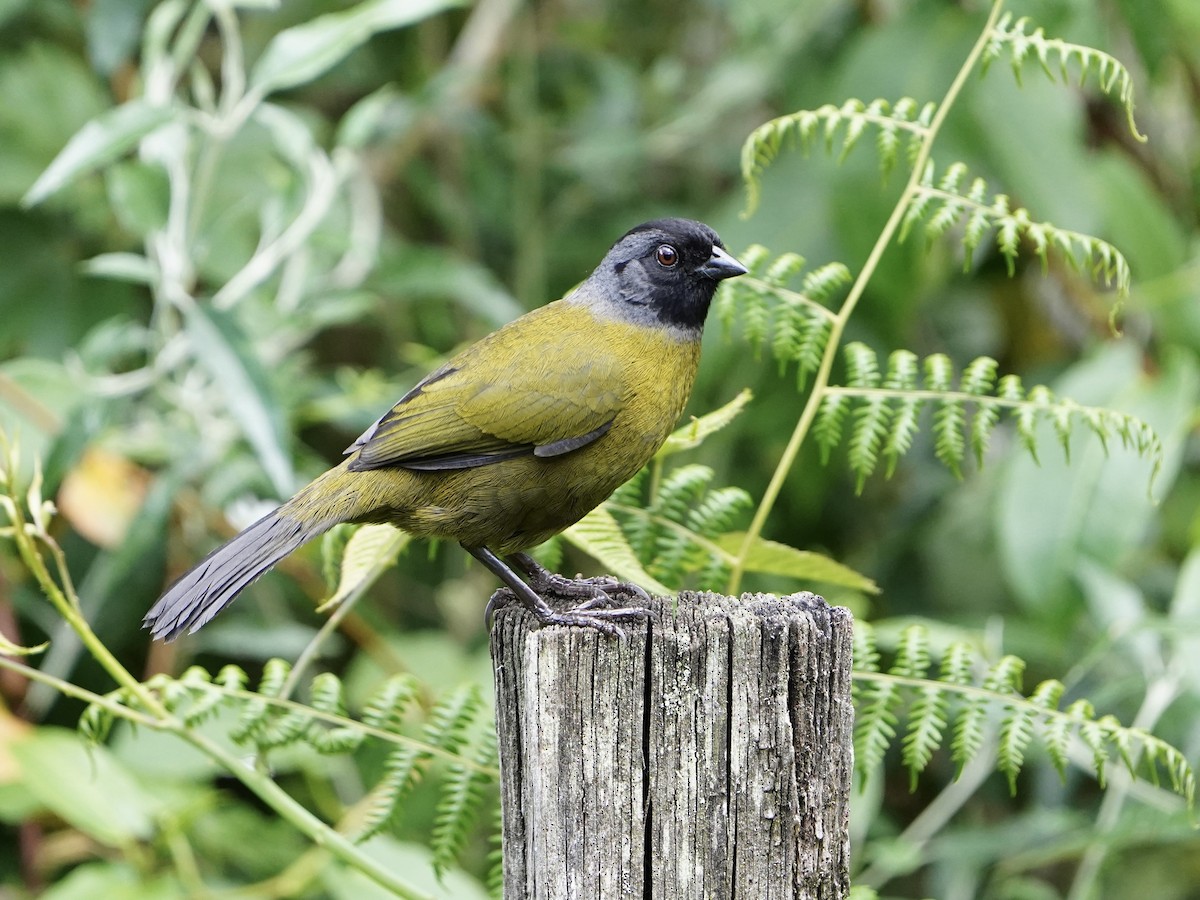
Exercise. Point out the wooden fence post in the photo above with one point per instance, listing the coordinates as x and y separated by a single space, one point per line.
706 755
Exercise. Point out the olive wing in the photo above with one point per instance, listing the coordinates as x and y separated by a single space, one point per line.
497 401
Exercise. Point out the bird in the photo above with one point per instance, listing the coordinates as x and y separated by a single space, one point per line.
513 439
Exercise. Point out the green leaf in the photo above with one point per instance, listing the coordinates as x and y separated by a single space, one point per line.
105 138
370 550
50 94
139 195
774 558
300 54
223 349
131 267
694 432
374 114
85 786
598 534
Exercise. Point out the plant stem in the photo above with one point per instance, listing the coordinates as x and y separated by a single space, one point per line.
260 784
821 381
68 689
67 605
26 536
300 818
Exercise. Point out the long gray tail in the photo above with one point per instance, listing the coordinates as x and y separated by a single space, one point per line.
214 582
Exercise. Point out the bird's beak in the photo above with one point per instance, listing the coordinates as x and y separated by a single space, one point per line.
721 265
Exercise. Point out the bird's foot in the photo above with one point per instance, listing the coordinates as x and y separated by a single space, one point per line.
593 593
594 602
601 592
597 609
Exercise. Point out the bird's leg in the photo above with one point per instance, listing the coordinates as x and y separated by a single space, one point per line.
584 614
594 592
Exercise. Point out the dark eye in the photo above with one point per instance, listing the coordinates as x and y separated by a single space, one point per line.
666 255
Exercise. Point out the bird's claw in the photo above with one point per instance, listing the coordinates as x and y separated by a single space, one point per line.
499 598
595 612
601 591
603 620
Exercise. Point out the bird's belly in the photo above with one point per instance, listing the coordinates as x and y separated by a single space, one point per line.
508 506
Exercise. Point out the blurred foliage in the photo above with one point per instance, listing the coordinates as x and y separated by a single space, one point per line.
476 163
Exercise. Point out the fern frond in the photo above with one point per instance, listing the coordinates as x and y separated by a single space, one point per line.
267 720
232 678
258 714
794 324
679 525
958 663
681 488
927 712
205 703
926 725
754 315
445 729
1158 754
919 205
717 511
967 700
850 121
640 530
387 705
871 418
1111 76
901 378
945 204
726 304
1055 730
865 648
462 796
785 267
912 653
831 416
399 771
875 723
948 418
788 335
1016 731
600 535
886 413
325 695
1004 677
96 723
823 282
969 730
811 349
494 880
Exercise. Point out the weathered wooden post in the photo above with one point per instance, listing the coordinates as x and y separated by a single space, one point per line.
708 755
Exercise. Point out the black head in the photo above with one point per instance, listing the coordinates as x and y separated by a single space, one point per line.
665 271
